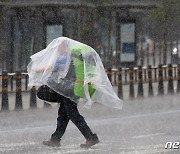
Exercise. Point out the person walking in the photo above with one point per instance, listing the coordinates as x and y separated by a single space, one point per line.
66 71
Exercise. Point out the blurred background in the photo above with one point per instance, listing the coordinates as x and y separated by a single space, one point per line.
138 42
124 32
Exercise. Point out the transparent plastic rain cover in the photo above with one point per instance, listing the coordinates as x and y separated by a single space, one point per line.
74 70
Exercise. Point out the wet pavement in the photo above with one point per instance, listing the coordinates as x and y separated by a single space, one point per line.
143 126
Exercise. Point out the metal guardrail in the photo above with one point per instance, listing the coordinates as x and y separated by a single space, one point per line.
112 74
126 74
18 82
12 82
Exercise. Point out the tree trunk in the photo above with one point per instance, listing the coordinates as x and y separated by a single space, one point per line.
165 48
165 34
109 40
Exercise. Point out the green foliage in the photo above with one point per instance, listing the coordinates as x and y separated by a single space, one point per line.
94 14
167 12
1 17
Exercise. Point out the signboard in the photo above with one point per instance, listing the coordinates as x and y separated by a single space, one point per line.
52 32
127 32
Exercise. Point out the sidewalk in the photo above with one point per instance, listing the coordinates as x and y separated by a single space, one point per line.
143 126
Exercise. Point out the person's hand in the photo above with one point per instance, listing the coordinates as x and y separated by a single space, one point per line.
42 69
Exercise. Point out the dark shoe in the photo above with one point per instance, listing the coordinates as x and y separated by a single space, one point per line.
90 142
52 143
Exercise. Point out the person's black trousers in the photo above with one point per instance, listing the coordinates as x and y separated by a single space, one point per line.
67 111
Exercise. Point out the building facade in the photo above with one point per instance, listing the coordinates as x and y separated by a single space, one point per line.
113 29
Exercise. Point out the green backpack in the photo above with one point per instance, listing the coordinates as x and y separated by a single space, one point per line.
79 70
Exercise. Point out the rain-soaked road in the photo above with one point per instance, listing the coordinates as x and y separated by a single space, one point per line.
143 126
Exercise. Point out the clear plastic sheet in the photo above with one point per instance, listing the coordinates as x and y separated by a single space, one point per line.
74 70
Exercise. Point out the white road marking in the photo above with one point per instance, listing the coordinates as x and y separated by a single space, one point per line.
95 122
15 144
147 135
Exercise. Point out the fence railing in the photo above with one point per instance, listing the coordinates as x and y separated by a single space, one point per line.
18 83
11 77
145 75
126 74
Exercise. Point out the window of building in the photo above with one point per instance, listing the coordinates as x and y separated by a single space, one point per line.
52 32
127 44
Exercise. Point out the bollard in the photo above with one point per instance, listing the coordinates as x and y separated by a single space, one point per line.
135 75
140 82
165 73
11 79
175 77
160 83
5 102
155 74
145 75
150 89
115 78
33 100
120 88
131 82
109 74
178 78
125 74
18 104
26 82
170 79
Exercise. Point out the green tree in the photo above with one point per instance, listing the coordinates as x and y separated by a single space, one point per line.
166 14
1 20
93 14
98 14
